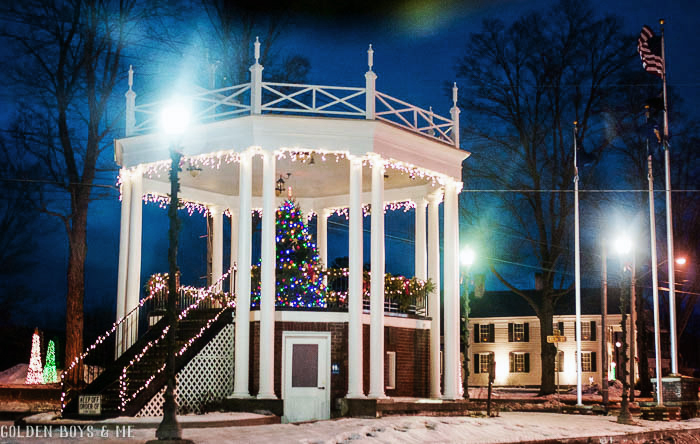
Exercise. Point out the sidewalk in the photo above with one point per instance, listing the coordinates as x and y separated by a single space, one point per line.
509 427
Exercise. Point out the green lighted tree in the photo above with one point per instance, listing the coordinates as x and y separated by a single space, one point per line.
49 374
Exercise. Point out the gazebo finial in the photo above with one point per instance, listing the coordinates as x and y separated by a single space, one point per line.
370 57
257 50
454 94
131 77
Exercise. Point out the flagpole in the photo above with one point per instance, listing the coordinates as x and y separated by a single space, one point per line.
577 268
654 273
669 221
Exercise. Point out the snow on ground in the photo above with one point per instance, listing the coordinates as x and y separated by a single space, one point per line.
509 427
14 375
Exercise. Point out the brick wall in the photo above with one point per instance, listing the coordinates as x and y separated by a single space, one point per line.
410 345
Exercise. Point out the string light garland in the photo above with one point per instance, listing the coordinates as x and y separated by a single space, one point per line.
155 286
34 371
49 374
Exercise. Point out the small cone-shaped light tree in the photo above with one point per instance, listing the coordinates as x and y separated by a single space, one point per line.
49 374
34 371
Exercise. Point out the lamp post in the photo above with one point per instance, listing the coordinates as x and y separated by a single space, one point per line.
467 257
623 246
174 120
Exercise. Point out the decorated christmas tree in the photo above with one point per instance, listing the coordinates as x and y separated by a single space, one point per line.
49 375
299 270
34 371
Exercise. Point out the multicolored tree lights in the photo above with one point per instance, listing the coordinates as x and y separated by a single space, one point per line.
299 271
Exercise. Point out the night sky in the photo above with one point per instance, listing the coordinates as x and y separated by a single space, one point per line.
416 47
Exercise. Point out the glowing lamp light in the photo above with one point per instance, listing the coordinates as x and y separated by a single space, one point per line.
175 117
467 256
623 245
681 260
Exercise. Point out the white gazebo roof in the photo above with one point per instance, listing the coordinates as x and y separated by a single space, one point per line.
419 149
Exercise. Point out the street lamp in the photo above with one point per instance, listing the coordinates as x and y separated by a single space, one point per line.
174 120
623 247
467 258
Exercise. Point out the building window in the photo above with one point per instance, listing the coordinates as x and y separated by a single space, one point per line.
588 361
519 332
559 362
559 328
484 359
484 333
520 362
390 370
588 330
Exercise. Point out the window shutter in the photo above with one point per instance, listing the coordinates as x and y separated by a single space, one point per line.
476 363
511 362
510 332
593 331
561 328
593 362
477 336
527 362
526 330
492 333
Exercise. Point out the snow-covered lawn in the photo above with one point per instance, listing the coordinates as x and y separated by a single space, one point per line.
509 427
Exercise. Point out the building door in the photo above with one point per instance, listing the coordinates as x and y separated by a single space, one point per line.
306 376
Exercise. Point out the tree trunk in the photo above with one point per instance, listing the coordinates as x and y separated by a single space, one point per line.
77 246
548 351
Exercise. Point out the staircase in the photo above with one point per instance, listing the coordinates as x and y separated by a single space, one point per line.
129 382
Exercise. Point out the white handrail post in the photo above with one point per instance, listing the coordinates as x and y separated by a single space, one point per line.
130 105
256 82
454 112
370 85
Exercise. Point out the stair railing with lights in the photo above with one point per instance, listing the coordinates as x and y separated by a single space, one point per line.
143 322
213 299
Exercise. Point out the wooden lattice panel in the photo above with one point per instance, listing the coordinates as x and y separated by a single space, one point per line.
207 377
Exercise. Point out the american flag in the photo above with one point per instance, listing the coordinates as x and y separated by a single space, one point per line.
649 47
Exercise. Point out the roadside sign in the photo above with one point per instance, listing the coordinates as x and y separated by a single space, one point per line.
90 405
552 339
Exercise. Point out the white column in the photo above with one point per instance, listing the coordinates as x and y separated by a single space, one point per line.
234 245
421 264
133 273
376 326
242 332
322 235
434 298
355 346
267 285
451 292
217 253
123 256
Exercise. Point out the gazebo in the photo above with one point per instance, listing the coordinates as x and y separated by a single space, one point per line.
351 150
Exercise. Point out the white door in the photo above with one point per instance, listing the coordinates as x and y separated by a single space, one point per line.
306 376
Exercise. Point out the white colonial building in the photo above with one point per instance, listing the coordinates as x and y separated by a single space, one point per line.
505 328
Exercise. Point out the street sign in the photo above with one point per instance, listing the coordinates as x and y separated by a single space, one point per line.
555 338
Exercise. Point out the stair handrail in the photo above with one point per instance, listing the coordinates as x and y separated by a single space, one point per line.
202 294
100 339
